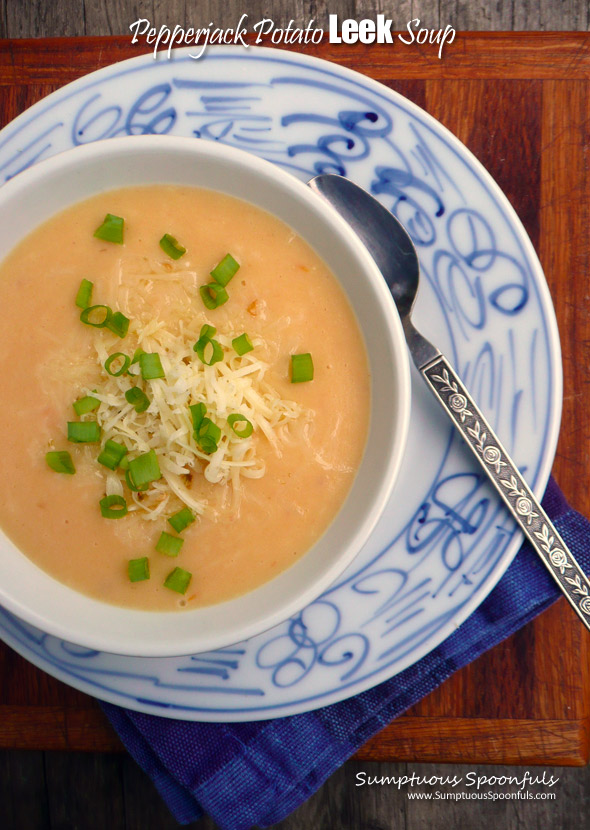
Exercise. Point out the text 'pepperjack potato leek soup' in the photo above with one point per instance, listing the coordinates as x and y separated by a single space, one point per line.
185 395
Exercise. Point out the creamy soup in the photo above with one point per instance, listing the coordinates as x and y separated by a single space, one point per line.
277 490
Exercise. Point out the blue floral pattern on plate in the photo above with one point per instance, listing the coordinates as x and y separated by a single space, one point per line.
444 540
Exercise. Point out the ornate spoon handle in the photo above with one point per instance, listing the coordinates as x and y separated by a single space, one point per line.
502 471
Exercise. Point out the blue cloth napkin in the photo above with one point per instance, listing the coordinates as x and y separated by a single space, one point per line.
255 774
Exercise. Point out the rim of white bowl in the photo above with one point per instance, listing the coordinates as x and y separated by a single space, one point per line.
118 640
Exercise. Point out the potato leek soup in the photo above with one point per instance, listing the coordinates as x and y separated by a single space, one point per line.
185 397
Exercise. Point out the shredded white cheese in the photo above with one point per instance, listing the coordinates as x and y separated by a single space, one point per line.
235 385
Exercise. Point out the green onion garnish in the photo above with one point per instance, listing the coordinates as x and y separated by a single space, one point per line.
171 246
214 354
125 364
118 324
60 461
178 580
112 454
198 412
83 432
208 436
151 366
111 229
168 544
138 398
113 507
86 404
213 295
242 344
136 355
243 431
138 569
125 466
96 315
301 368
225 270
181 520
124 463
144 469
84 295
207 331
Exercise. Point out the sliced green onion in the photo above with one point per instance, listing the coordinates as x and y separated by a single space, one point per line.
96 315
207 445
214 354
144 469
301 368
243 431
225 270
113 507
124 463
213 295
208 436
118 324
112 454
111 229
151 366
136 355
181 520
84 295
126 362
138 398
207 331
198 412
138 569
60 461
129 480
178 580
83 432
171 246
168 544
86 404
242 344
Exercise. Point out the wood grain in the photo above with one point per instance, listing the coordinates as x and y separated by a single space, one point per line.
520 103
565 256
22 775
113 17
469 739
476 55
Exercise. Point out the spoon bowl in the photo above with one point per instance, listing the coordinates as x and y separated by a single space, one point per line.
388 243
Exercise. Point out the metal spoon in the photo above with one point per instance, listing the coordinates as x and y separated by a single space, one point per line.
392 249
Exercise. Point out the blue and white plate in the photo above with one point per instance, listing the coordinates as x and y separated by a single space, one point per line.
444 540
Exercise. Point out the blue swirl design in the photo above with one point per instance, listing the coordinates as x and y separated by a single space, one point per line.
433 556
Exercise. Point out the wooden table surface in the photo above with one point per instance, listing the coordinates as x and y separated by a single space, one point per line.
520 102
